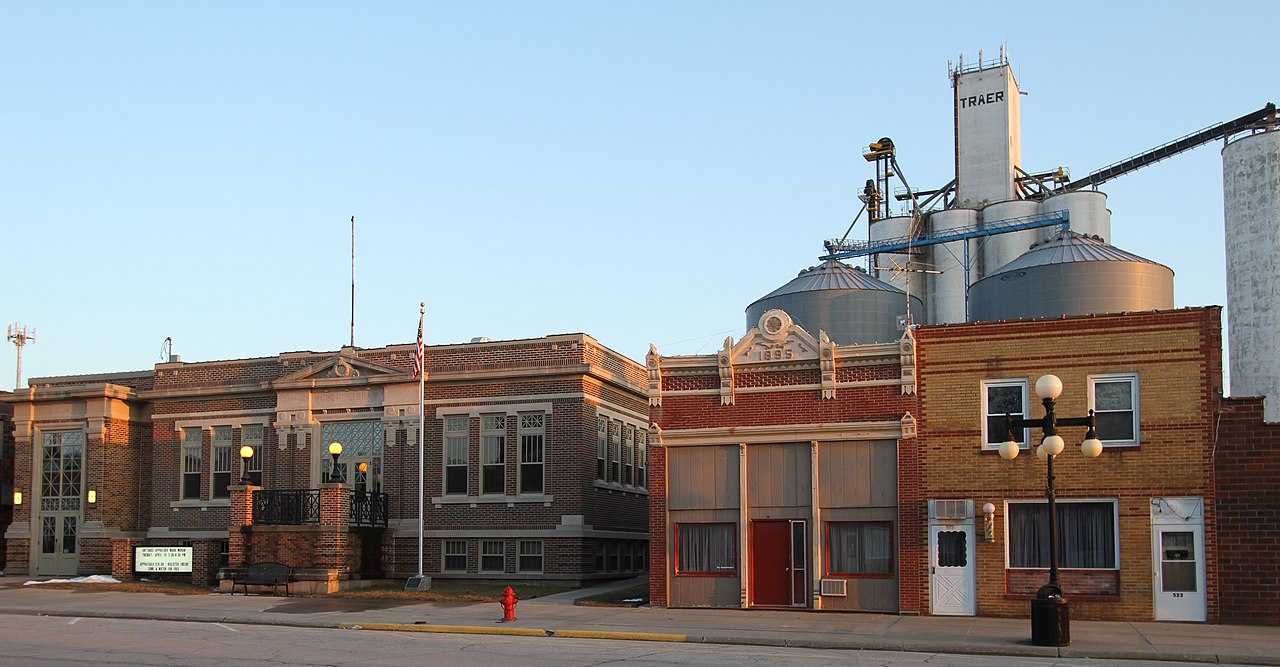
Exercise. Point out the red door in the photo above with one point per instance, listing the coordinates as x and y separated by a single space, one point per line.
777 563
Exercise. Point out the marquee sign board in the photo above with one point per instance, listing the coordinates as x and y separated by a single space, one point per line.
162 559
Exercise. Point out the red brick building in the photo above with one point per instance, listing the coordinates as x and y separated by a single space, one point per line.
534 464
879 460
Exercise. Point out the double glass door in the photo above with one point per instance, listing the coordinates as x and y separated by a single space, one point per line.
60 513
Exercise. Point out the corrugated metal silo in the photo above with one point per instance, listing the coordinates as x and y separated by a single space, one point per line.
945 291
1251 193
895 227
1071 274
1088 209
851 306
1001 249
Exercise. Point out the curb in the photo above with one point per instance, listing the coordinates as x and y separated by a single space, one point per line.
518 632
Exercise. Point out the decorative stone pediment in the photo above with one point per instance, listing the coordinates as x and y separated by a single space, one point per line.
341 366
776 339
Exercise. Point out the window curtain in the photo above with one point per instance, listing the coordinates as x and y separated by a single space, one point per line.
707 548
861 548
1086 535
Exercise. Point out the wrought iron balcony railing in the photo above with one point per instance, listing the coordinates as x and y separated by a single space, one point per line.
296 507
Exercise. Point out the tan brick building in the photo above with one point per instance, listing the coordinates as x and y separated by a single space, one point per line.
513 487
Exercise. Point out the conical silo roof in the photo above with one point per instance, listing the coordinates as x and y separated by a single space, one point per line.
1068 247
831 275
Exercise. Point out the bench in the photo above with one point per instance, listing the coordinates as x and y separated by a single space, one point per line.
263 574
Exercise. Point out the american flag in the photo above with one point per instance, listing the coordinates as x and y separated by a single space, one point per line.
417 357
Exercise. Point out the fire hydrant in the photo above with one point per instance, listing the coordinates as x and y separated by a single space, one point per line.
508 603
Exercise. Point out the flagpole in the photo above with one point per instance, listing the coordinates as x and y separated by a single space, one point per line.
422 429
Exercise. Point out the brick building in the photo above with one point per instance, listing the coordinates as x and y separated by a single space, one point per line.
879 459
513 487
6 473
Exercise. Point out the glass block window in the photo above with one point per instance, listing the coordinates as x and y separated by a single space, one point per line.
602 447
860 548
530 556
1114 399
493 454
532 444
455 555
456 434
192 462
1001 397
493 556
362 438
222 462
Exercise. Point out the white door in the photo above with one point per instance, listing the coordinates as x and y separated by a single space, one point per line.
1178 556
951 570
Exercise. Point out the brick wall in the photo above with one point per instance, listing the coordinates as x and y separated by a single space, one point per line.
1174 354
1247 461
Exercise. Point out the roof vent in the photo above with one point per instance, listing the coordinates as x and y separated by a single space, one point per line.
482 339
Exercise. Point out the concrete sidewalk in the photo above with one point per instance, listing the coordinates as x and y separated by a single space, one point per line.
556 616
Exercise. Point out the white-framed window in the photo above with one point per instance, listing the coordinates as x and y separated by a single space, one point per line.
706 549
252 435
1087 534
493 454
628 453
493 557
1114 399
1000 397
192 462
615 444
860 548
530 556
223 457
642 458
455 555
456 434
532 452
602 448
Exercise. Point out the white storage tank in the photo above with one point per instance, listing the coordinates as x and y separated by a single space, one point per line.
945 293
897 226
1251 193
1001 249
1071 274
1088 211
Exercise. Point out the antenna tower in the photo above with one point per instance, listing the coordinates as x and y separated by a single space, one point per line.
19 336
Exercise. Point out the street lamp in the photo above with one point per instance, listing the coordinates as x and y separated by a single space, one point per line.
1050 614
246 453
335 450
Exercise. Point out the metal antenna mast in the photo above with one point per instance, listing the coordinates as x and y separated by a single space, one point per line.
353 281
19 336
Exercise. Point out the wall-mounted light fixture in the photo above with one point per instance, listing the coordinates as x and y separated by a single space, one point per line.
989 522
93 496
17 497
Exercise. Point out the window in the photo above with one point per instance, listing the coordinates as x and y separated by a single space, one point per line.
192 460
602 448
628 453
530 556
493 447
493 556
531 453
706 548
1114 400
455 555
222 462
642 458
855 548
1086 534
455 454
361 444
615 440
251 435
611 556
1001 397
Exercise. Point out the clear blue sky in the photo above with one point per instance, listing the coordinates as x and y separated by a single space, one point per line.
638 171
